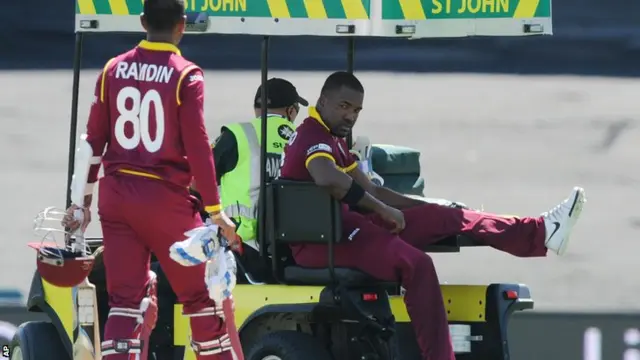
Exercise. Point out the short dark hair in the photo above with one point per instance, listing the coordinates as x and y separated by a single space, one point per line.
163 15
340 79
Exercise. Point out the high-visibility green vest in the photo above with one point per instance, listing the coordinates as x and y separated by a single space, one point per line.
240 188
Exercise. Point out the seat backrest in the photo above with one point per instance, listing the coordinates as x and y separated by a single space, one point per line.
301 212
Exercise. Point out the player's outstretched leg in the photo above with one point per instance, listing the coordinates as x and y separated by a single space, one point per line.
519 236
559 221
128 329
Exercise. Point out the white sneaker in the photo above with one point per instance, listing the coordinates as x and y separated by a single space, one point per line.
559 221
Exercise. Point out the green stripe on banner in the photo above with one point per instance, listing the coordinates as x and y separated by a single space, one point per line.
334 9
135 7
544 9
255 8
367 6
297 9
102 7
392 10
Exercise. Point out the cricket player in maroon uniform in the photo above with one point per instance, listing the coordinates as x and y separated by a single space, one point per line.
148 113
386 244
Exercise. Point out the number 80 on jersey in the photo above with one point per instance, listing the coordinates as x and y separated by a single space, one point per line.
137 114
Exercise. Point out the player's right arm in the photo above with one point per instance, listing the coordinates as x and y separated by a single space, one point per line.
321 165
199 154
195 139
386 195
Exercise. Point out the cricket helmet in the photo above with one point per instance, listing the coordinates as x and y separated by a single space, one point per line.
62 259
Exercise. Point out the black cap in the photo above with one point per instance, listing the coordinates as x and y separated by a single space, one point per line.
281 94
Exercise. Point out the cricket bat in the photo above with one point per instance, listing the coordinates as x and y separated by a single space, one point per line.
228 308
87 301
88 314
232 330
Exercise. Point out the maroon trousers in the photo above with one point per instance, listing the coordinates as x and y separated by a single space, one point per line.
140 216
374 250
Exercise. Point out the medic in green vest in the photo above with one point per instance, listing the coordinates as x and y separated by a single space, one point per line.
237 154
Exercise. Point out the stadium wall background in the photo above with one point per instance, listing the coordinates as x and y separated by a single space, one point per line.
592 37
532 335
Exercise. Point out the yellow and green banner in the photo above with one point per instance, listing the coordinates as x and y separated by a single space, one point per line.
464 9
328 17
304 9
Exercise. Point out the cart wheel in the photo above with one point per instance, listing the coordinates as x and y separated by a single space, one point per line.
288 345
37 340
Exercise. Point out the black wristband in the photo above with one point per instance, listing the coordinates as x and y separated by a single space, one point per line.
354 195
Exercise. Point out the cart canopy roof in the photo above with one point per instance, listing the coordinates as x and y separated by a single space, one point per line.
412 19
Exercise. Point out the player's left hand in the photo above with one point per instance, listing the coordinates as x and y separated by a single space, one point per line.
70 221
227 229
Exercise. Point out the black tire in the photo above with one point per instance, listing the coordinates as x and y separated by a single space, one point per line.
39 340
288 345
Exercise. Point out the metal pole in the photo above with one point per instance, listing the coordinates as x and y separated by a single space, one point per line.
262 214
351 50
73 127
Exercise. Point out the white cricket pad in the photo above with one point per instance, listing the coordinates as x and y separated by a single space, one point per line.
212 347
124 346
209 311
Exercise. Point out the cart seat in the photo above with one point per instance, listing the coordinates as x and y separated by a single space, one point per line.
297 275
303 213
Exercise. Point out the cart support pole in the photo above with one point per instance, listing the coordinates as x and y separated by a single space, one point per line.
73 127
351 50
262 211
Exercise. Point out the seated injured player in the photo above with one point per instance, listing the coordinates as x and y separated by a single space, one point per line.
386 243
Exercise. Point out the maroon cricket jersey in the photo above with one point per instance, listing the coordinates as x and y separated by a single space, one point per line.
148 111
312 139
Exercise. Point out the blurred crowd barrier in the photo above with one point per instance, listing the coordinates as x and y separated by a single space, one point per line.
532 335
576 336
592 37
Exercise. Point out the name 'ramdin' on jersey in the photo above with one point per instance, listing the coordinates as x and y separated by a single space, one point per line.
144 72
